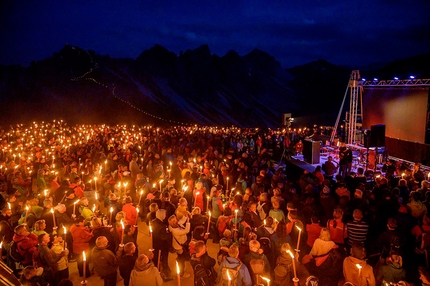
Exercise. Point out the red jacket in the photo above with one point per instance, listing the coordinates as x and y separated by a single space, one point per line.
81 238
130 214
27 246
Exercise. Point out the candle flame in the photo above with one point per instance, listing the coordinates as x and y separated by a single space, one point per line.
290 253
85 257
111 209
76 202
298 228
266 279
236 210
358 266
122 225
228 276
65 230
8 206
178 271
52 210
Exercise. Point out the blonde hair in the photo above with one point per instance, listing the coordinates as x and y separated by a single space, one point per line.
254 245
325 234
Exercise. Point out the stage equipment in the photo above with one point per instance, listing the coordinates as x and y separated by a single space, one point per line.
311 151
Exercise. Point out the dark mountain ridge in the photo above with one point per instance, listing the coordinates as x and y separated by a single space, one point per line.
194 87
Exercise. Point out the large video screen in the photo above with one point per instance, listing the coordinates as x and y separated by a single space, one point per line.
403 110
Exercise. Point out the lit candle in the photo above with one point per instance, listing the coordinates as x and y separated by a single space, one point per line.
137 217
85 266
65 232
295 279
140 198
403 175
94 208
26 214
150 237
236 222
110 218
195 199
266 279
74 207
226 189
53 218
298 239
209 222
45 192
160 184
178 271
95 183
359 272
125 189
207 203
8 206
229 278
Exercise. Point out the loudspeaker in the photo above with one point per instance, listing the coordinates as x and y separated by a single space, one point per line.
377 136
311 151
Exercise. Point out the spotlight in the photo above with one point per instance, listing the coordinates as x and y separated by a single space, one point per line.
396 78
411 77
363 79
375 79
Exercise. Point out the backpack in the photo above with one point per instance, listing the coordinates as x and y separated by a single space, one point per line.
281 275
201 275
266 245
233 273
257 266
14 251
223 224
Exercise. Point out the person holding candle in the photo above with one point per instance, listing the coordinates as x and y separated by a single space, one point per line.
127 261
362 275
130 211
199 196
48 258
239 273
203 266
161 239
256 261
179 242
284 272
105 261
85 210
81 236
145 273
26 242
58 248
217 208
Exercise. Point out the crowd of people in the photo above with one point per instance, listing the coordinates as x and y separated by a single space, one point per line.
78 193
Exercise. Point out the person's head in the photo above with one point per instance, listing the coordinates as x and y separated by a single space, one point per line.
29 272
338 213
227 211
252 206
7 212
358 250
227 234
173 221
269 221
233 251
199 232
84 201
61 208
285 247
357 214
21 230
102 242
196 211
200 248
40 225
129 248
43 239
263 197
161 214
325 234
392 223
141 262
275 204
254 245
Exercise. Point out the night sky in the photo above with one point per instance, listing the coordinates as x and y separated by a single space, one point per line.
354 33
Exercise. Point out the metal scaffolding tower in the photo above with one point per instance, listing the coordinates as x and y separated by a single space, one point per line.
355 107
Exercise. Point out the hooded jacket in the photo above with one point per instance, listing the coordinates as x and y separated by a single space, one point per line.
148 276
391 272
243 278
105 261
358 277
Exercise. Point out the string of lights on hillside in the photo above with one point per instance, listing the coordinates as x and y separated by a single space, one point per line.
85 77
